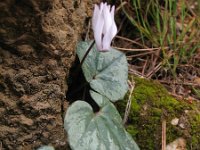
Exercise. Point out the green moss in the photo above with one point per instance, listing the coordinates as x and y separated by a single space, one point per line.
195 129
156 112
151 103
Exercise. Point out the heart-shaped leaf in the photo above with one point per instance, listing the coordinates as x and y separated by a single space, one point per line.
96 131
46 148
107 72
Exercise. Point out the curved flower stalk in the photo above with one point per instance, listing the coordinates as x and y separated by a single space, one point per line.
104 26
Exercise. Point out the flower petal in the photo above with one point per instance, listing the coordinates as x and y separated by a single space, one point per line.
95 16
107 18
106 42
113 30
98 29
113 12
108 36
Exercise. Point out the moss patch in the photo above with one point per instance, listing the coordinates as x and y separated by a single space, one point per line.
151 103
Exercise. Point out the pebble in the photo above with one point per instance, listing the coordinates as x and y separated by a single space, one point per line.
175 121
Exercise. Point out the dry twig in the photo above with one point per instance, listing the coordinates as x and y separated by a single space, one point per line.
164 135
128 106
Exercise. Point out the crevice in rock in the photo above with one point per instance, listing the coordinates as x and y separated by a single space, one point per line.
78 87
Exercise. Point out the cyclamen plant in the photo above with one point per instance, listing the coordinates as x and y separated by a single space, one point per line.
106 71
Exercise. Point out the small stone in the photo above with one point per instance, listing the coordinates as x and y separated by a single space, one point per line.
178 144
182 125
175 121
186 111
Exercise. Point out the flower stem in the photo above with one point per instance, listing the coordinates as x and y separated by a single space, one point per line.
87 52
78 69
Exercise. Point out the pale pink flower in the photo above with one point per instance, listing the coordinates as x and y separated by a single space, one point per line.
104 26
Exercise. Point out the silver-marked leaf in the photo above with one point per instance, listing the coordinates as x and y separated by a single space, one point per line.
107 72
96 131
46 148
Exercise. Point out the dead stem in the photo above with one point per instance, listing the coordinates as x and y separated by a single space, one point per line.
164 135
132 41
128 105
137 49
178 83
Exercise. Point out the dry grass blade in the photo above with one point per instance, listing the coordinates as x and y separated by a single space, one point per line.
136 49
164 135
132 41
128 106
154 70
178 83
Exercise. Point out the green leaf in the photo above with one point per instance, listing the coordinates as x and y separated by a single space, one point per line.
46 148
96 131
107 72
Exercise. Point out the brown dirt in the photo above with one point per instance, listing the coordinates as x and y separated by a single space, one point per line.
37 42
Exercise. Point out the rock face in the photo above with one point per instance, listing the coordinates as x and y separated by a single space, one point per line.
37 43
